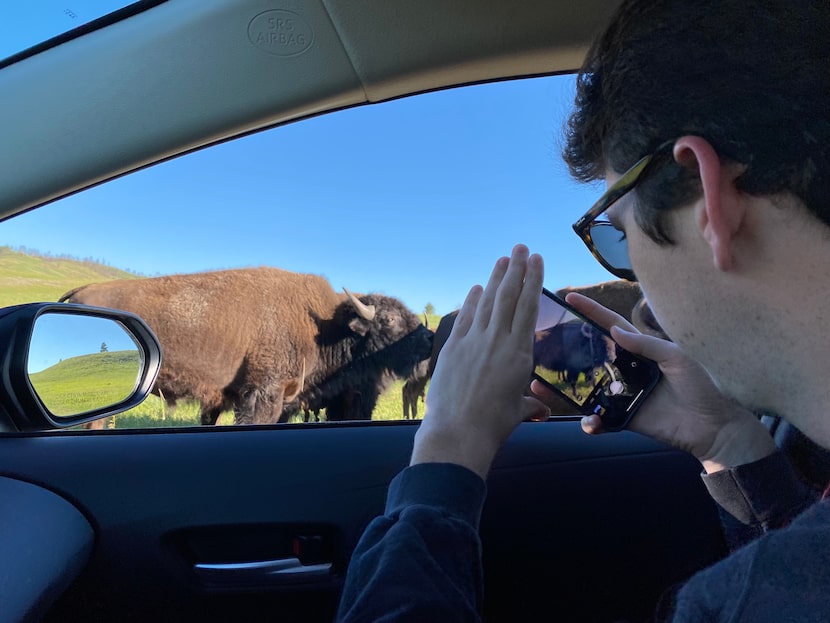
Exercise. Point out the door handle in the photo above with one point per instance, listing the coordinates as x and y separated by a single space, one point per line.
261 573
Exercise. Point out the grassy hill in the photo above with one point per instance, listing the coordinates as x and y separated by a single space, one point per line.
31 277
87 382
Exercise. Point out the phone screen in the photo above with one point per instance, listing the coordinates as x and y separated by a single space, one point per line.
580 361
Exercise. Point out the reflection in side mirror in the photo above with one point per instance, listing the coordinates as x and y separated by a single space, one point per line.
64 364
80 363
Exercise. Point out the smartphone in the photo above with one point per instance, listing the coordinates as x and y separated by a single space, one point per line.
579 360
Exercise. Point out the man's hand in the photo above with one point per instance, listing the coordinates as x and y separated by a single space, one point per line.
685 410
475 398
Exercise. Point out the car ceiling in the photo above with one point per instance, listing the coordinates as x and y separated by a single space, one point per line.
189 73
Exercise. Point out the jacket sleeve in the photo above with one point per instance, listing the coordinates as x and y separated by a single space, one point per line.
752 499
757 497
421 560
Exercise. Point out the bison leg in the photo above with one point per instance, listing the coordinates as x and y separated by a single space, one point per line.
363 403
347 405
210 416
256 407
408 397
212 407
243 410
410 403
269 408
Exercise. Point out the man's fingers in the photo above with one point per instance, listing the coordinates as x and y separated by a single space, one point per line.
623 332
488 297
648 346
596 312
527 309
556 403
510 288
464 319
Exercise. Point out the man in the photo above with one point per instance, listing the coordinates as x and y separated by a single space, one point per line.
709 122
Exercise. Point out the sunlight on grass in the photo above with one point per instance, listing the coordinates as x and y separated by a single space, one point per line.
153 413
87 382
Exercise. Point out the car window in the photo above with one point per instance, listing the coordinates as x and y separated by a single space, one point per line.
412 200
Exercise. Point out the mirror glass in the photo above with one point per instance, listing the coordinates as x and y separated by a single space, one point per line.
80 363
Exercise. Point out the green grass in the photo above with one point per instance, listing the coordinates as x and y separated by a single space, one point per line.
153 413
433 319
584 385
88 382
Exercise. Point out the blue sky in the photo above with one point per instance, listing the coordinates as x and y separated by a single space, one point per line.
56 337
414 198
26 23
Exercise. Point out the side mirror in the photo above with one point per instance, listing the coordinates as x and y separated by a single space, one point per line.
66 364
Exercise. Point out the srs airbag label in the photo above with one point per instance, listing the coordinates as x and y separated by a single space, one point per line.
281 33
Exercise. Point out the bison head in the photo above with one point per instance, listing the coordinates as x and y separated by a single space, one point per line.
386 332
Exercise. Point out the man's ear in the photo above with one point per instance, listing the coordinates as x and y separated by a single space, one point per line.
721 213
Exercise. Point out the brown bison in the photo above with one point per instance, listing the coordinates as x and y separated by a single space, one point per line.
254 340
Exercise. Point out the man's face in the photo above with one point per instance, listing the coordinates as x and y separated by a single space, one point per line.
685 292
658 267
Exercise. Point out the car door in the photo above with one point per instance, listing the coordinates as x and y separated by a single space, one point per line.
258 524
414 197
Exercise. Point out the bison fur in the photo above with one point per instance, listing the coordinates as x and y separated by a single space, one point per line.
255 339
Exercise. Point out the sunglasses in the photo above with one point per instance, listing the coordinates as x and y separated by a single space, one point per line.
606 243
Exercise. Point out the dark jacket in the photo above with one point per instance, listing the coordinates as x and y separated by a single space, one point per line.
421 560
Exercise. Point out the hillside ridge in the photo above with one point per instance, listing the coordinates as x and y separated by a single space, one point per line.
28 276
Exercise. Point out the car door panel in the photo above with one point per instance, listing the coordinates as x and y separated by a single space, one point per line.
568 517
49 545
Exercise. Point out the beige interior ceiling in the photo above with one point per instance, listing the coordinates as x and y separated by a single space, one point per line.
188 73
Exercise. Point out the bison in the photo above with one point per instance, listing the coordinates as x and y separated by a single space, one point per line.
572 348
254 340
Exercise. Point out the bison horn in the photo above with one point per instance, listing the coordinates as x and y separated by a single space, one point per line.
367 312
